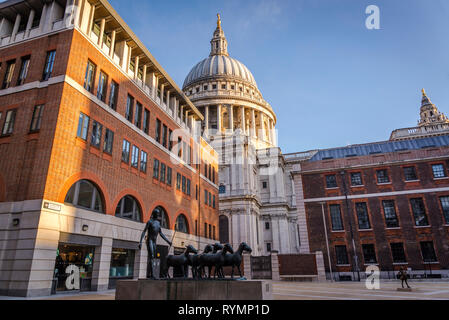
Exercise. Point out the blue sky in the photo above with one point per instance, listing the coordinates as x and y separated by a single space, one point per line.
331 81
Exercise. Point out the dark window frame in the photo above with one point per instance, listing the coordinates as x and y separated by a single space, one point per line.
49 65
125 151
36 119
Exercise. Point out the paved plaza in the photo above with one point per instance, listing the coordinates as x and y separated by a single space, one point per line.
283 290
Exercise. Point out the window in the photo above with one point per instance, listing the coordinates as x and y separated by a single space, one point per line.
135 157
156 169
356 179
223 86
382 176
419 212
23 70
428 251
181 224
391 220
213 201
410 174
178 181
163 170
164 136
143 161
85 194
179 147
89 78
438 171
210 199
337 223
205 229
214 86
146 121
108 141
206 88
267 226
158 131
369 254
10 65
362 215
222 189
128 208
188 187
49 63
205 196
83 126
331 181
183 184
37 118
205 170
170 141
102 86
138 115
96 134
164 217
268 247
397 251
169 176
341 254
210 231
113 95
445 206
125 151
264 184
129 108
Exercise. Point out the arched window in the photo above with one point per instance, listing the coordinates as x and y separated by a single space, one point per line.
181 224
223 226
164 221
128 208
86 195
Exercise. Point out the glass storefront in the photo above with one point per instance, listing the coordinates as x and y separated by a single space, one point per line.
73 268
122 265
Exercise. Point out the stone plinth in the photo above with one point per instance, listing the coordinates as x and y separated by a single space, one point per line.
169 289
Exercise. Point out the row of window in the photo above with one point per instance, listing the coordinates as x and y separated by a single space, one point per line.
382 176
209 172
391 218
24 67
397 252
223 86
209 199
10 119
209 230
96 134
183 184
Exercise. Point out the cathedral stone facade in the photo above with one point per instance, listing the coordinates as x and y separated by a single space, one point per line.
257 195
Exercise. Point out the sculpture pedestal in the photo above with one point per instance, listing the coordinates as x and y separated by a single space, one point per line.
404 289
177 289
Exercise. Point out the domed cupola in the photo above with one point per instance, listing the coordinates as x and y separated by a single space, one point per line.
430 114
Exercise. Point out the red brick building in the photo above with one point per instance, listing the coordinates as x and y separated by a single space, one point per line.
94 136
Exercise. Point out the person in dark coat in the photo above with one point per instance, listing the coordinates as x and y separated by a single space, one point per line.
403 277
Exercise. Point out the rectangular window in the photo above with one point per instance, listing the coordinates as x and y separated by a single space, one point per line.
108 141
213 201
102 86
188 187
205 229
210 199
331 181
156 169
445 206
138 115
96 134
410 174
158 131
369 253
267 226
49 63
170 141
356 179
164 136
210 232
146 121
183 184
143 161
268 247
179 147
178 181
163 171
89 78
37 118
83 126
341 254
113 95
169 175
23 70
8 126
337 223
428 251
382 176
438 171
397 251
391 219
362 215
129 108
205 196
419 212
10 65
135 157
125 151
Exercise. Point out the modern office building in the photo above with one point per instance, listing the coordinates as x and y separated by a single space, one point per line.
94 136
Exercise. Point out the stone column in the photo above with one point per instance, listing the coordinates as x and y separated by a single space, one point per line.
321 272
242 119
253 123
111 49
43 17
262 126
275 275
144 75
16 27
162 94
141 262
128 60
30 22
136 67
100 37
91 20
102 263
168 100
247 266
219 128
231 118
175 112
206 120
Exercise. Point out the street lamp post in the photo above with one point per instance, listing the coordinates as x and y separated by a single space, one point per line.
327 241
345 191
